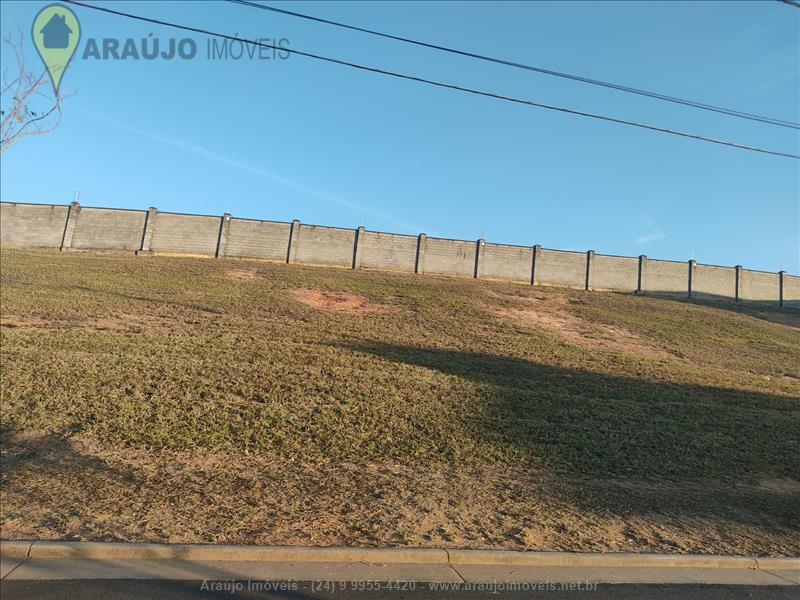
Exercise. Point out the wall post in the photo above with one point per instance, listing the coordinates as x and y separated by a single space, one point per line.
781 282
147 233
692 265
737 294
589 257
480 251
536 255
294 233
641 282
222 238
358 247
69 227
419 263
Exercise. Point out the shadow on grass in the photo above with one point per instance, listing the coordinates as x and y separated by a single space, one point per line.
622 446
766 310
605 425
29 458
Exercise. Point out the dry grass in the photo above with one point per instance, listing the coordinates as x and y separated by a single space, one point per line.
77 489
181 399
339 302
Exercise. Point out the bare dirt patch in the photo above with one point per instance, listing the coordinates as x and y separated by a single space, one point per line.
15 322
340 302
241 274
549 312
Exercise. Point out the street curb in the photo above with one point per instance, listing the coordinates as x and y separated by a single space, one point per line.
792 564
13 549
431 556
612 559
212 552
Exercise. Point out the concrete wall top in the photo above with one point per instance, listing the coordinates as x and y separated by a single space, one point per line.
405 235
181 214
260 220
315 226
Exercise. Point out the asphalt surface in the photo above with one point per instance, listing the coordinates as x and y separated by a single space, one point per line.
134 589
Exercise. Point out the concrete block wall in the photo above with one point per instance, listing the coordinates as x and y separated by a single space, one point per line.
318 245
791 290
758 285
711 280
502 261
32 225
609 272
666 277
388 251
104 229
560 268
152 231
258 239
447 257
177 233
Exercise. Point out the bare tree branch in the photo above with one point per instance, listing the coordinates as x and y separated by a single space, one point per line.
28 105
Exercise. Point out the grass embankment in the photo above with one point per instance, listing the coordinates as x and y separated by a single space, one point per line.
180 399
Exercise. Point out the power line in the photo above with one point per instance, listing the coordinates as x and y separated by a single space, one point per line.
432 82
615 86
791 3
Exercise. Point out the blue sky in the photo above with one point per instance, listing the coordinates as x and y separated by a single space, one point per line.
295 138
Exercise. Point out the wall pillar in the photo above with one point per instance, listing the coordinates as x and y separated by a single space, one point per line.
222 239
419 263
480 251
69 227
147 234
692 265
781 287
294 236
358 247
641 282
536 255
589 257
737 294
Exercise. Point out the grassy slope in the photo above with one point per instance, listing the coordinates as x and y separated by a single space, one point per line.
684 435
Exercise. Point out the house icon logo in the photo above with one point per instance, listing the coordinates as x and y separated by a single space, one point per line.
56 33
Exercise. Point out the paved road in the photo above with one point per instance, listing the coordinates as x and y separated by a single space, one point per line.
132 589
